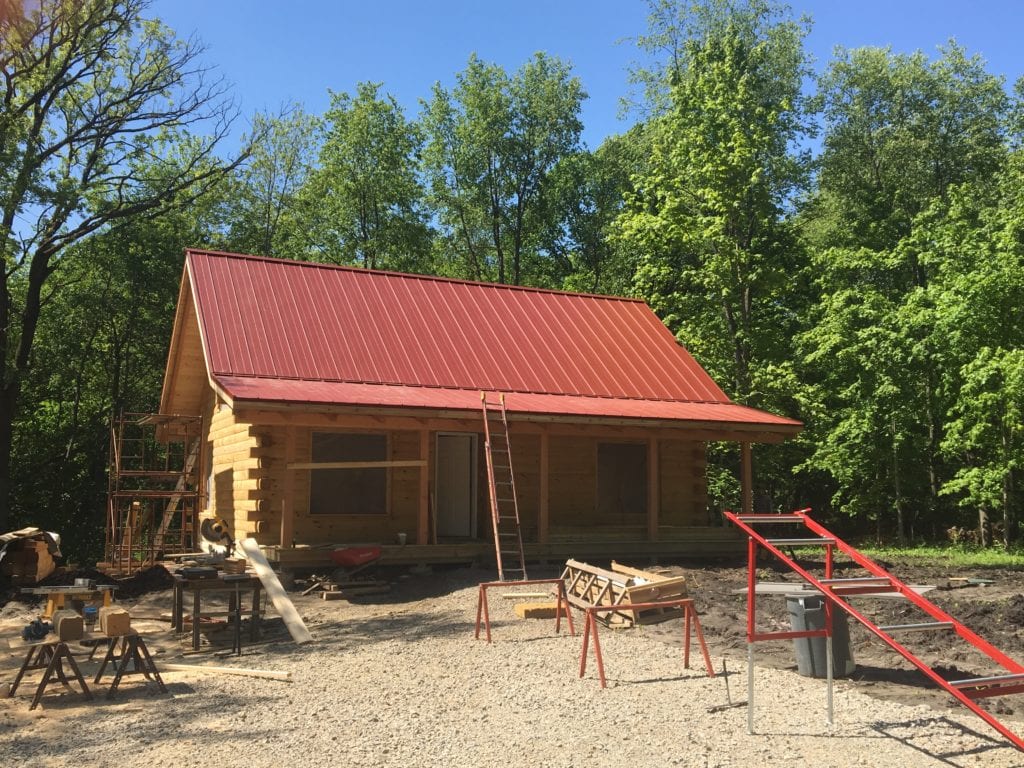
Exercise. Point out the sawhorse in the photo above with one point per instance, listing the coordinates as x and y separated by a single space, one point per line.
51 657
133 649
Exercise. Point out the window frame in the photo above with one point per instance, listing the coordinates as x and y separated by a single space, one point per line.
385 512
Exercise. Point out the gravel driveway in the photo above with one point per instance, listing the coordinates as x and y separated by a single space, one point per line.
403 683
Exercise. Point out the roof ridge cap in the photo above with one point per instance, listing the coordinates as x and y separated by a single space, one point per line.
407 275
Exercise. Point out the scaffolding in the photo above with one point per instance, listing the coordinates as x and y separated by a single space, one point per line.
154 490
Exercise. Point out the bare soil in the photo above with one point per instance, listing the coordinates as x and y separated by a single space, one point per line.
995 611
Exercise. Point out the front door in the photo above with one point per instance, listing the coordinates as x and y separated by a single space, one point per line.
456 484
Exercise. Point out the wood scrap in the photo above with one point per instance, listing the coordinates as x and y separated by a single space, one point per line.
296 627
525 595
261 673
545 610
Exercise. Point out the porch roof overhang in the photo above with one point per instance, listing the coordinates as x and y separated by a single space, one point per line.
728 420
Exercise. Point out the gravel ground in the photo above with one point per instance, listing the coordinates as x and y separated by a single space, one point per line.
403 683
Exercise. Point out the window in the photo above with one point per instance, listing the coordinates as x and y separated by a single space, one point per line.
348 491
621 481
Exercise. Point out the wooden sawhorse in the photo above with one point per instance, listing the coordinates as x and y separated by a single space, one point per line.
51 657
133 649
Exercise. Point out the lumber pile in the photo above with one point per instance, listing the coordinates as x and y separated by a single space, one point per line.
27 561
587 585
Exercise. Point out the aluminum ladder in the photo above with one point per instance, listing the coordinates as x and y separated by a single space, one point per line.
501 483
878 581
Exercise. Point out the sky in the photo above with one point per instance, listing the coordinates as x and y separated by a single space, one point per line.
276 53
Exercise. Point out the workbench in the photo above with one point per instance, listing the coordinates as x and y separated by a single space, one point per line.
58 597
235 585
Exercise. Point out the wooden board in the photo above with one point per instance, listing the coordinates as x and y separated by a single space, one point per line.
587 585
296 627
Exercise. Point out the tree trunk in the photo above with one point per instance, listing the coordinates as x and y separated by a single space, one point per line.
8 403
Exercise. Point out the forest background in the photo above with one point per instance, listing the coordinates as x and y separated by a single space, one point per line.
844 248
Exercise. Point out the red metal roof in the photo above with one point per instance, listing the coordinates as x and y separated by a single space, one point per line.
286 331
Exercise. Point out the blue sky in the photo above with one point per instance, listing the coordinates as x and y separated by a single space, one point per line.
275 53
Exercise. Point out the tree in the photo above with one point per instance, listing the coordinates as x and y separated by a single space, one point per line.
261 198
101 348
493 142
363 202
718 259
92 93
901 133
707 218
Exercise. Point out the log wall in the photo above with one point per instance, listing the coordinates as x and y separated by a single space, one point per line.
250 478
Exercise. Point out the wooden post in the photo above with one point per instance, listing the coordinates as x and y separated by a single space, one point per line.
543 512
653 489
746 478
423 525
288 489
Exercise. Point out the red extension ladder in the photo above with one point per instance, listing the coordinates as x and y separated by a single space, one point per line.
836 592
508 538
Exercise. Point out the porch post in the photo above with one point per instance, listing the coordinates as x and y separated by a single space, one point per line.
543 513
423 525
653 491
288 489
746 478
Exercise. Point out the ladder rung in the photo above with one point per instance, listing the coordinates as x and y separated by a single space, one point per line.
865 581
800 542
770 518
972 682
926 626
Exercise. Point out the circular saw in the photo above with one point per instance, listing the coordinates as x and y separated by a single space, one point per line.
215 536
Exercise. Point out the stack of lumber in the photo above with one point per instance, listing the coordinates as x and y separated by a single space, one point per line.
587 585
27 561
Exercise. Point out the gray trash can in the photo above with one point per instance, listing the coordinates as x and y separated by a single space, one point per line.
807 612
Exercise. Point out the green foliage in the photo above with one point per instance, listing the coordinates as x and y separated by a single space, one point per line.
363 202
261 201
492 144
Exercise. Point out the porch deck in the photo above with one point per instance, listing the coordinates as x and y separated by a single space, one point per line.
623 544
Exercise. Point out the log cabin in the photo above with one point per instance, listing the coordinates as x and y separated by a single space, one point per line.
342 406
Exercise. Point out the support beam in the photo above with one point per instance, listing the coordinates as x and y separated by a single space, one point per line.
653 489
543 511
746 478
399 419
423 523
288 491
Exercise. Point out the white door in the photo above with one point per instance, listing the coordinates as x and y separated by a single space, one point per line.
456 485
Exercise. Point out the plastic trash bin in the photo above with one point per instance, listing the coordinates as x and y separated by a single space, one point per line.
807 612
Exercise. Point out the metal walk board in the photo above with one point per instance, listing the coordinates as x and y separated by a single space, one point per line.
837 590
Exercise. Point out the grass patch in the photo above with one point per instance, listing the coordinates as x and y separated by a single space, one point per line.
949 555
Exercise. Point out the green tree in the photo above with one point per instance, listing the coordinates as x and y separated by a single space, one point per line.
100 348
90 97
708 216
493 142
261 198
363 202
901 132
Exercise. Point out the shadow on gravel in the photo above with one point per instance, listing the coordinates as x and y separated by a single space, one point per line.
166 718
887 729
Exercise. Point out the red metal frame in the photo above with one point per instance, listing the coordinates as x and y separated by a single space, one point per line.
833 593
690 619
482 610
